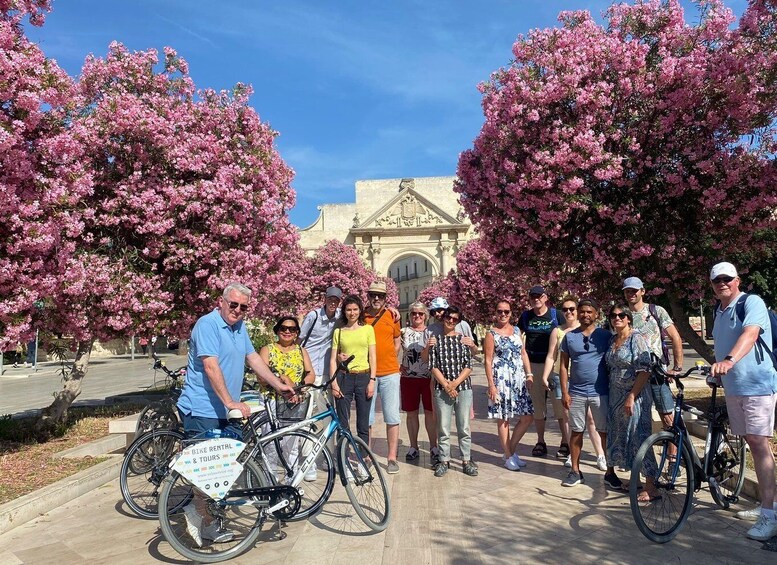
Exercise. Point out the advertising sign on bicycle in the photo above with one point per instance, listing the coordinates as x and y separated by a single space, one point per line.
211 465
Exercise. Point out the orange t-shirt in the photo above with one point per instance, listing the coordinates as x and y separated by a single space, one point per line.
386 330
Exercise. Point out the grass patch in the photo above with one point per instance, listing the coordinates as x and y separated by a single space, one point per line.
26 465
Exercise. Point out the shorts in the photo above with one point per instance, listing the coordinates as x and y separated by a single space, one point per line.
387 387
539 395
662 398
413 391
751 415
578 407
196 425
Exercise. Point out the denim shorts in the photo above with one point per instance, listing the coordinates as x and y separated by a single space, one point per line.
662 398
195 425
388 389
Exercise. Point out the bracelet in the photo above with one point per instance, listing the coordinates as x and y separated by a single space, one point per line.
529 374
373 379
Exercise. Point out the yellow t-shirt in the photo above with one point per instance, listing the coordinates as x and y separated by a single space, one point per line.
355 342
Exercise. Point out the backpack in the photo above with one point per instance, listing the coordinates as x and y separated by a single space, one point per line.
664 347
760 345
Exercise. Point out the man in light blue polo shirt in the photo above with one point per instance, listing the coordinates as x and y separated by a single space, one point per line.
584 385
218 350
750 381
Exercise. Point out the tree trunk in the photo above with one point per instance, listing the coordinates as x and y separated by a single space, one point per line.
55 413
688 334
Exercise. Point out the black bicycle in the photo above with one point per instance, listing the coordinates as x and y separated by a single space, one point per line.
162 413
674 471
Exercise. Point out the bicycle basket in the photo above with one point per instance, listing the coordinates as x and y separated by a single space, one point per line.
287 411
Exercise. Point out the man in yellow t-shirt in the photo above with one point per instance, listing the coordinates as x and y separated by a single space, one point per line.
388 344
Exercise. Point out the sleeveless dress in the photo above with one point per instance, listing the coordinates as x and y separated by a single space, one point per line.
513 398
289 364
626 433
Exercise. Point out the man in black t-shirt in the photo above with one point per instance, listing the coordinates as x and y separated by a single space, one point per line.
536 325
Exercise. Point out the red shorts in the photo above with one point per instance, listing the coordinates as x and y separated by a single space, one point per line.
412 391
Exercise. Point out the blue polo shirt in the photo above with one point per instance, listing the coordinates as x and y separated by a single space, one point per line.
213 337
752 375
587 366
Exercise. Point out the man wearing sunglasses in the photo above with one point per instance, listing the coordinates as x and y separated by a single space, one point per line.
653 322
584 381
388 344
743 359
218 351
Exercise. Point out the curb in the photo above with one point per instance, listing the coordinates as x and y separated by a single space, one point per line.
30 506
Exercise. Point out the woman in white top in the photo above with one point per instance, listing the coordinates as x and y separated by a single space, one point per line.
551 382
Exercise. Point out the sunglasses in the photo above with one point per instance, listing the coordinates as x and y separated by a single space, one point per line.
503 312
619 315
535 296
288 329
236 305
376 295
586 342
416 313
724 279
452 318
570 309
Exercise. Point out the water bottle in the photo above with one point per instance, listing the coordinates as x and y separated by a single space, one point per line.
555 383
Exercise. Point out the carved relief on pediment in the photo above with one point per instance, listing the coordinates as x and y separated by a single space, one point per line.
408 213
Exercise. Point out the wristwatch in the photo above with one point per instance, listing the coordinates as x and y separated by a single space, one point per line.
730 358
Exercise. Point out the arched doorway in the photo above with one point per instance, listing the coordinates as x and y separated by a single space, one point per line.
412 273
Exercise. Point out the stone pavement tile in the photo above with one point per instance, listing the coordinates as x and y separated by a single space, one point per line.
8 558
48 553
355 557
414 555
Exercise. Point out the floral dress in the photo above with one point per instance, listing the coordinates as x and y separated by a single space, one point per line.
513 398
625 433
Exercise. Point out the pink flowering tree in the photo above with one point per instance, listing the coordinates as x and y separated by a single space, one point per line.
131 199
641 147
42 173
442 286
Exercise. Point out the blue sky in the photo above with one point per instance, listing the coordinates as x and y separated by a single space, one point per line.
357 89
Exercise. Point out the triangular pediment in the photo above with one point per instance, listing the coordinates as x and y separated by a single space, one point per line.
408 209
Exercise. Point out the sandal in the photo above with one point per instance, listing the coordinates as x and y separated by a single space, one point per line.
648 496
540 449
563 451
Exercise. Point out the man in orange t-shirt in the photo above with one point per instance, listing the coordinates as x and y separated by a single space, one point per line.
387 348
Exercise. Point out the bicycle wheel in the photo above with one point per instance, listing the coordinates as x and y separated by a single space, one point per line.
316 487
365 483
244 521
661 518
158 414
727 465
144 468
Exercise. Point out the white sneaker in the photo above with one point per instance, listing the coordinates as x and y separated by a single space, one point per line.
511 464
215 534
601 463
521 462
752 515
311 474
764 529
568 462
193 523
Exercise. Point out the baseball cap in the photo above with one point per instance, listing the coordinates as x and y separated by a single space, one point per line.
537 289
724 268
438 303
334 291
633 282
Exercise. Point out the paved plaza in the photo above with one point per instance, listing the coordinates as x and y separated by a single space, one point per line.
497 517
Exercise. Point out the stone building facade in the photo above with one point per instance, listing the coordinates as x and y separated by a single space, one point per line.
408 229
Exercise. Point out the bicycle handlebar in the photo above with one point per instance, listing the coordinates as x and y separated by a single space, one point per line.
342 368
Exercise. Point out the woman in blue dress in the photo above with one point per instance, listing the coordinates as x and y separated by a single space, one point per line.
628 420
508 372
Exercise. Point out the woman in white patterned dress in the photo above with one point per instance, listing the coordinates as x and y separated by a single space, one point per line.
508 371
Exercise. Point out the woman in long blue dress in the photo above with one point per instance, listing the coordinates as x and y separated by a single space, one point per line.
628 423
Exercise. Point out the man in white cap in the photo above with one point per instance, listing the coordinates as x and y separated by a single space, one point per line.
653 322
743 359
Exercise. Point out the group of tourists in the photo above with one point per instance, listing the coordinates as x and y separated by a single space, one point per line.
591 377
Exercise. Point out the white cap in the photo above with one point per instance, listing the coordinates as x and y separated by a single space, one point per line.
725 269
